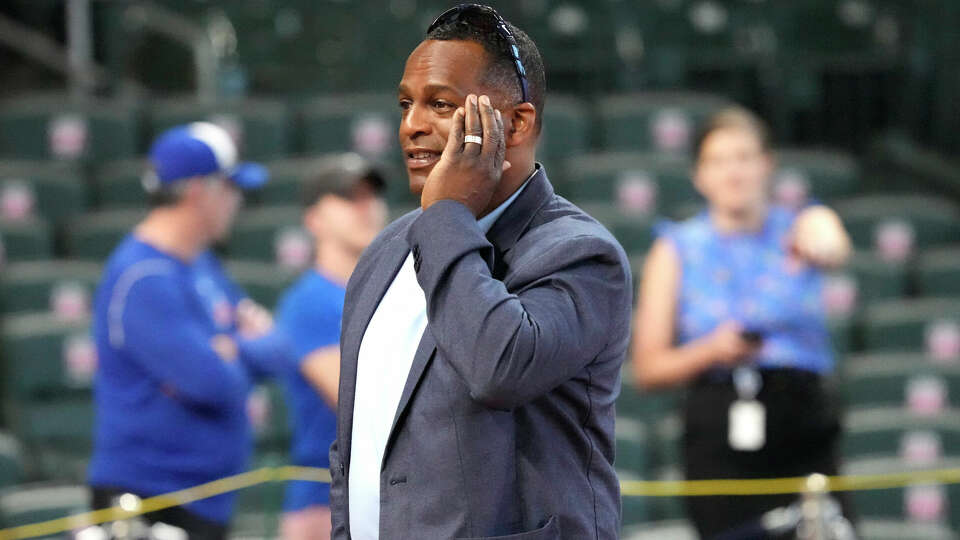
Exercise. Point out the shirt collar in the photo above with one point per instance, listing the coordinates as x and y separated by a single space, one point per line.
487 221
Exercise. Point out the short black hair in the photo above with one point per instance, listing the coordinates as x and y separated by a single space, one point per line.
501 72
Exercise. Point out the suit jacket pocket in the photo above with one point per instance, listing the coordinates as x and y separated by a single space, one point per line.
550 531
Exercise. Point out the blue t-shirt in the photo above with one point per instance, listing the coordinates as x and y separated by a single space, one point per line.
749 278
170 412
309 314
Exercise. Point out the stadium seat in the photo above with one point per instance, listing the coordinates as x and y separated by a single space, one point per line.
654 121
287 178
872 432
260 127
264 282
56 127
118 185
632 444
28 240
260 234
885 379
639 184
54 191
669 432
823 174
887 222
904 324
362 123
94 235
660 530
566 129
51 357
925 503
11 461
635 233
34 503
937 272
55 285
877 279
267 409
886 529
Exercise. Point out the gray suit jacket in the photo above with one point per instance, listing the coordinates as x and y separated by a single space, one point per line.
505 425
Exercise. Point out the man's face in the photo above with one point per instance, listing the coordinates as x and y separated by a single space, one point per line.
220 201
436 80
352 222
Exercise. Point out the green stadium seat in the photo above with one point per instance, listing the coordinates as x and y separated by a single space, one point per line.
937 272
50 357
639 184
903 324
264 282
878 279
25 240
46 285
566 129
34 503
363 123
669 431
268 414
884 378
842 336
55 127
887 529
823 174
287 179
94 235
11 461
654 121
634 510
55 191
632 444
118 185
921 503
678 529
260 234
871 432
891 220
635 233
260 127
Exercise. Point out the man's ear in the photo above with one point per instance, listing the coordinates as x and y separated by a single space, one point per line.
311 219
520 126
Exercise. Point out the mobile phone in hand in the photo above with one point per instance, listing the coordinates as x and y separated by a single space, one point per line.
754 337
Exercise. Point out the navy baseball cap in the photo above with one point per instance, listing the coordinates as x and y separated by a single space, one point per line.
200 149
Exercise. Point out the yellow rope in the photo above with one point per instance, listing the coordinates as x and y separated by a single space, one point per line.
629 488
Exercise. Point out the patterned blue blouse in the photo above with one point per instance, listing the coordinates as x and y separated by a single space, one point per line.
749 278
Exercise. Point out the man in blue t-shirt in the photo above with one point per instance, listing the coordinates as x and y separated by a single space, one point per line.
179 345
344 212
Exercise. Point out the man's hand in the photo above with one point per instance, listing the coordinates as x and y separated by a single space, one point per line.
253 320
818 237
469 172
225 346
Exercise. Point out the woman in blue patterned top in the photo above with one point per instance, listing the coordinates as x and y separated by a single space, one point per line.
730 306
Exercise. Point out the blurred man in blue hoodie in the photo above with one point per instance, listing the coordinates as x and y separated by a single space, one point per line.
179 345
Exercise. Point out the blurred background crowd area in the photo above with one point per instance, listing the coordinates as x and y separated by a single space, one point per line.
862 96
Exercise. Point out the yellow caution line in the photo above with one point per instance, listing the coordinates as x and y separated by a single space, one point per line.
628 488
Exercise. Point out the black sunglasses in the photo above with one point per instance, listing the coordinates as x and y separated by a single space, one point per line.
463 11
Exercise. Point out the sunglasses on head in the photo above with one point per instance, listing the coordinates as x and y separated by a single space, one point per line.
470 12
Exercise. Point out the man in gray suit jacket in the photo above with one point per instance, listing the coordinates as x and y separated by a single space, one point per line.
483 333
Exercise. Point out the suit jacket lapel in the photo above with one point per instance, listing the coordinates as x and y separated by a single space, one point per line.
384 269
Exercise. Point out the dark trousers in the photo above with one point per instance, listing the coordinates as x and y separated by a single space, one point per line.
197 528
802 431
